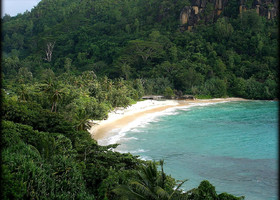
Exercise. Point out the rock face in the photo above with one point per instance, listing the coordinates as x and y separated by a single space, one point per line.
209 10
267 8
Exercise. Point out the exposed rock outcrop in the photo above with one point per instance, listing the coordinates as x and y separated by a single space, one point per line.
267 8
209 10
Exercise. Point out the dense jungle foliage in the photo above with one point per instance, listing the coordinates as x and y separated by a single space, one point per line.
236 55
68 61
45 156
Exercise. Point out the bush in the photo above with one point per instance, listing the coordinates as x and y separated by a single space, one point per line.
168 93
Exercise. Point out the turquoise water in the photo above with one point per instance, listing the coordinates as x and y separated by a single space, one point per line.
234 145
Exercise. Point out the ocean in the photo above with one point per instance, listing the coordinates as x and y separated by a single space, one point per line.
234 145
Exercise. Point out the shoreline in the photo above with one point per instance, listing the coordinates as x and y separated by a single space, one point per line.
121 117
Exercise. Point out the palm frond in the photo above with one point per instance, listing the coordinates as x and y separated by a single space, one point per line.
162 194
126 192
142 189
178 187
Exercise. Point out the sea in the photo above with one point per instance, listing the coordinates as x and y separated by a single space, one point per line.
233 145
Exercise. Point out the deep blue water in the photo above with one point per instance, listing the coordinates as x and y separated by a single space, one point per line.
234 145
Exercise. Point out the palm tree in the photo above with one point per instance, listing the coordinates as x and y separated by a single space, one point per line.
82 120
54 93
23 94
150 185
47 85
55 98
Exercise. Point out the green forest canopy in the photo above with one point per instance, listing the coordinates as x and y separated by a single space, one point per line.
69 61
235 56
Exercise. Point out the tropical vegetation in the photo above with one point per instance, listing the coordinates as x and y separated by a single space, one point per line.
69 61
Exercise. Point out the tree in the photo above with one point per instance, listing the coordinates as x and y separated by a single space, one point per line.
49 51
138 86
254 89
149 185
24 75
136 25
67 64
52 89
239 87
123 66
22 92
168 93
251 22
55 98
11 66
145 49
47 74
206 191
223 29
216 87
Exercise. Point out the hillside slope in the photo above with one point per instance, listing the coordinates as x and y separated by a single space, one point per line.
228 51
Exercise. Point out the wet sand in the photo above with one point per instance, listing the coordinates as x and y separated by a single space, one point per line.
101 129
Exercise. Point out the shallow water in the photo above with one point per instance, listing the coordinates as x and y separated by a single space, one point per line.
233 145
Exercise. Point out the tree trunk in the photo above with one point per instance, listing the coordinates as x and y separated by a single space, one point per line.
55 105
49 51
52 107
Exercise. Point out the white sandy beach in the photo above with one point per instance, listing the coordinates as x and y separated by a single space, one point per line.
121 117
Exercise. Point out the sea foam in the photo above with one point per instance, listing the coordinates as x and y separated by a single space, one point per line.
234 146
142 122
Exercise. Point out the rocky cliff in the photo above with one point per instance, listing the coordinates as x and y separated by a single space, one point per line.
203 11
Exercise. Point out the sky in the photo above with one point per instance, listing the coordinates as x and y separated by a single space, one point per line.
13 7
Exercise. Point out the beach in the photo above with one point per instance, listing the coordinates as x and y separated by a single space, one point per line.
231 144
121 117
